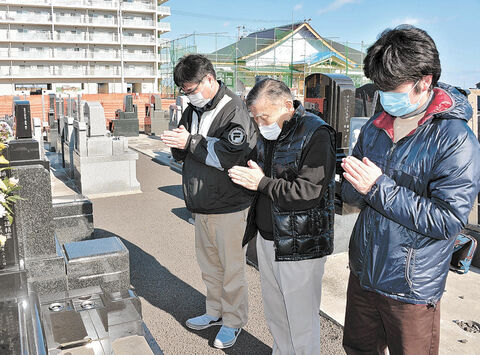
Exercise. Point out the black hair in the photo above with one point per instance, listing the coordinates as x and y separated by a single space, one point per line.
273 89
401 55
192 68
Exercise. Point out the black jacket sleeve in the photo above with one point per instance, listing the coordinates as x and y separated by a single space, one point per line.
232 147
316 172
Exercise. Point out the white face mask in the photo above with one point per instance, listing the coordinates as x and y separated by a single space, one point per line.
198 100
270 132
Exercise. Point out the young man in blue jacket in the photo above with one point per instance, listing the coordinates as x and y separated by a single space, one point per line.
414 173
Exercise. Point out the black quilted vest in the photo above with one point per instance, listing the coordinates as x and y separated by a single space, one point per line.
298 235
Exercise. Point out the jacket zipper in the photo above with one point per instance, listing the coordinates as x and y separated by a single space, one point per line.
271 202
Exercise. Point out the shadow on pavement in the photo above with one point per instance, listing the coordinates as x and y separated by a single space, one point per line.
166 291
182 213
174 190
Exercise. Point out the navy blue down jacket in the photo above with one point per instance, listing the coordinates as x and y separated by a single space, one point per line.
403 239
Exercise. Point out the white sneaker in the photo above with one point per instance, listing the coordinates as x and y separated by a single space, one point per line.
226 337
202 322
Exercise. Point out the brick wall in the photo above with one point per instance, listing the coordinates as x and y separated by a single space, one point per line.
110 103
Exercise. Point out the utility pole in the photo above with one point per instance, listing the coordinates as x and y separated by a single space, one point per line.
236 58
346 58
291 59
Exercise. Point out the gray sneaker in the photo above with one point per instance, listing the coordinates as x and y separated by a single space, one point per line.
203 322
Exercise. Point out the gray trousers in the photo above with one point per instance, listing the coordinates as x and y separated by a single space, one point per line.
291 293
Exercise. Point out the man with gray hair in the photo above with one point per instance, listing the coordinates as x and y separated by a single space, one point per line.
292 213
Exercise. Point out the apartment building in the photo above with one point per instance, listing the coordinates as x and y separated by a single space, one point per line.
106 45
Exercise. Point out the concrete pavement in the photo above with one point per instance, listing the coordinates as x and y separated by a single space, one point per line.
154 227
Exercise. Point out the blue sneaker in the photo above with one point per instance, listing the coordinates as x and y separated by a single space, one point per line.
226 337
202 322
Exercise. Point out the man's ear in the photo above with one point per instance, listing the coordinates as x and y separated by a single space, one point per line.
427 81
288 104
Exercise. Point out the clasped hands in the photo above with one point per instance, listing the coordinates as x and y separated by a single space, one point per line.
247 176
362 174
176 138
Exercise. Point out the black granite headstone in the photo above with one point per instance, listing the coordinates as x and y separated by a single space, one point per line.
23 119
128 103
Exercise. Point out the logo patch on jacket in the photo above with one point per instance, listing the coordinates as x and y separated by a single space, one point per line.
237 136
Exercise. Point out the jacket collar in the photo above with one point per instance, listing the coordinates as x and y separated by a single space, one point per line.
292 122
441 102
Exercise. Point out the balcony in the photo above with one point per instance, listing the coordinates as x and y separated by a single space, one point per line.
70 20
139 40
13 17
70 71
131 57
22 55
163 58
31 72
163 42
102 21
163 26
70 37
103 38
26 2
163 11
92 71
137 6
139 72
30 36
69 55
138 23
114 56
101 4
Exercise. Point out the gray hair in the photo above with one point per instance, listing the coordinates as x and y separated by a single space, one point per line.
271 89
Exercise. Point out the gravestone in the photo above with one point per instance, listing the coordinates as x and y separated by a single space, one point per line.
21 331
68 137
57 144
126 124
176 111
156 120
95 320
68 316
72 218
103 164
332 97
95 262
24 150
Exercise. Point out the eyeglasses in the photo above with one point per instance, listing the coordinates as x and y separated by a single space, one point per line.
189 92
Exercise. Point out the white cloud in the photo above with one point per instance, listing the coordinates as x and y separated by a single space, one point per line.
226 24
408 20
417 21
335 5
297 7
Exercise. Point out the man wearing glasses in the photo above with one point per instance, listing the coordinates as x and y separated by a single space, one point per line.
214 134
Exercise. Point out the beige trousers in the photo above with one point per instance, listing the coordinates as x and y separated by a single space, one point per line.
291 293
218 243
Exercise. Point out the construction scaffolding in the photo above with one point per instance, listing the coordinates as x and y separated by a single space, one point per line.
288 53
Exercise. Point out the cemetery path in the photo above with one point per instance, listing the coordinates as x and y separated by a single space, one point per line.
164 272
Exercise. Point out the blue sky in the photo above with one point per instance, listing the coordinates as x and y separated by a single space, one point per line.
454 25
